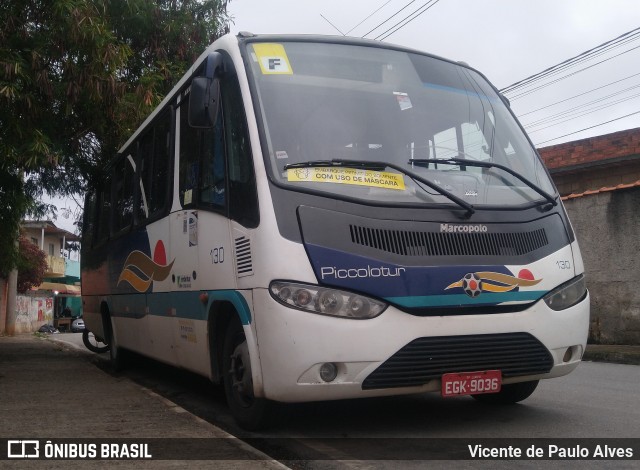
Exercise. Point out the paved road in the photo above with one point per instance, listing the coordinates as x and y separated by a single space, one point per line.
597 401
55 403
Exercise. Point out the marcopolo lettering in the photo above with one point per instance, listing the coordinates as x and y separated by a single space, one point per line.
360 273
463 228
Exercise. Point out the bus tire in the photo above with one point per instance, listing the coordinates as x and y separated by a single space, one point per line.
250 412
510 393
117 355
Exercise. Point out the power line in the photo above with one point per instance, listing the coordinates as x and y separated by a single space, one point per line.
578 95
587 128
575 109
376 11
570 74
567 62
621 40
560 68
392 16
426 7
576 114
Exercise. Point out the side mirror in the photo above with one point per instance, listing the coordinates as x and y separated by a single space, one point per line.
204 96
204 99
505 100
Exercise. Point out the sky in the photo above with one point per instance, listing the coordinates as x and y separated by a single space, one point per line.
506 40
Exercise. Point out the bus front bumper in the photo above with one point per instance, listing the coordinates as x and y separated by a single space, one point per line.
294 345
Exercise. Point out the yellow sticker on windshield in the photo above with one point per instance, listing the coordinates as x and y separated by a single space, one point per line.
377 179
272 59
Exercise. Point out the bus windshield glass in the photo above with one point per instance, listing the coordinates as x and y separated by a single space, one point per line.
321 102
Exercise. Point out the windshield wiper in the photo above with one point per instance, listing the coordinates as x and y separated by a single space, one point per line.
464 162
365 165
379 166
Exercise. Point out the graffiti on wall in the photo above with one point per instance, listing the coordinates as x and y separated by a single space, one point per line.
23 304
34 309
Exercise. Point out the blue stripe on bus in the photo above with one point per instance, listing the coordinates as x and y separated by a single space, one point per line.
462 91
452 300
236 299
186 304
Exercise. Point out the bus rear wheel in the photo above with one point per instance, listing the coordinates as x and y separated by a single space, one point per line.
510 393
250 412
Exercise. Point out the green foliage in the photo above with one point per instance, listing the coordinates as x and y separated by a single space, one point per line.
32 265
13 203
76 79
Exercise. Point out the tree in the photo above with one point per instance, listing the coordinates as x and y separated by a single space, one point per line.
32 265
76 78
14 203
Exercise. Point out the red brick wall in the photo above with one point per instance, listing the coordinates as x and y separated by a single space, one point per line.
594 149
594 163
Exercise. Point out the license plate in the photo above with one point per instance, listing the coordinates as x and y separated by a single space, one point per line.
471 383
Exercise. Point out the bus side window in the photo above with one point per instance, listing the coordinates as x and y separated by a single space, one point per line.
158 193
146 162
189 157
213 182
243 197
154 160
124 177
103 211
202 164
89 219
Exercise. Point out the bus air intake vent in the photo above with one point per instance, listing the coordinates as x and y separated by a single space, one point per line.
244 263
425 359
420 243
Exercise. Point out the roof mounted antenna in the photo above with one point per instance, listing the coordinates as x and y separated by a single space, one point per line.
336 28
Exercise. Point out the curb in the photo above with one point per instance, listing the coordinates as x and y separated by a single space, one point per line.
264 459
614 353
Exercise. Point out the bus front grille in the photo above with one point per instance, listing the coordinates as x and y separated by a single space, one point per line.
426 243
424 359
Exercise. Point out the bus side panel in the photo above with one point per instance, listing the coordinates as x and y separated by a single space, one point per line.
95 287
131 265
209 240
160 311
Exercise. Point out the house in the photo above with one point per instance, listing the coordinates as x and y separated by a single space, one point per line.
599 181
55 242
61 285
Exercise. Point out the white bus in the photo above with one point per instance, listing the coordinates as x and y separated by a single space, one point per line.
311 218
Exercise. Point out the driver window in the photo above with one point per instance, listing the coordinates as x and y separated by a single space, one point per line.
202 163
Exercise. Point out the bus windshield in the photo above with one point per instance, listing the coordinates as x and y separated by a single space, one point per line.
322 101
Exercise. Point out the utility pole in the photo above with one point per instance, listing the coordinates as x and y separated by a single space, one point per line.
3 305
12 305
12 300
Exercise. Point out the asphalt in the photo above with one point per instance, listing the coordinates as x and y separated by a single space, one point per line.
50 390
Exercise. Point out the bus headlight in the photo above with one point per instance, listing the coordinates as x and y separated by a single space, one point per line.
567 294
325 301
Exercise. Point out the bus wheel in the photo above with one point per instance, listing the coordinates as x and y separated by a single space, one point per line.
116 353
510 394
250 412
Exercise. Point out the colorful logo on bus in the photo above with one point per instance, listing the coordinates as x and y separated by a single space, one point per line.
473 284
140 271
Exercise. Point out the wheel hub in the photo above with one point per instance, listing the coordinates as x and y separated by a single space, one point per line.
240 374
